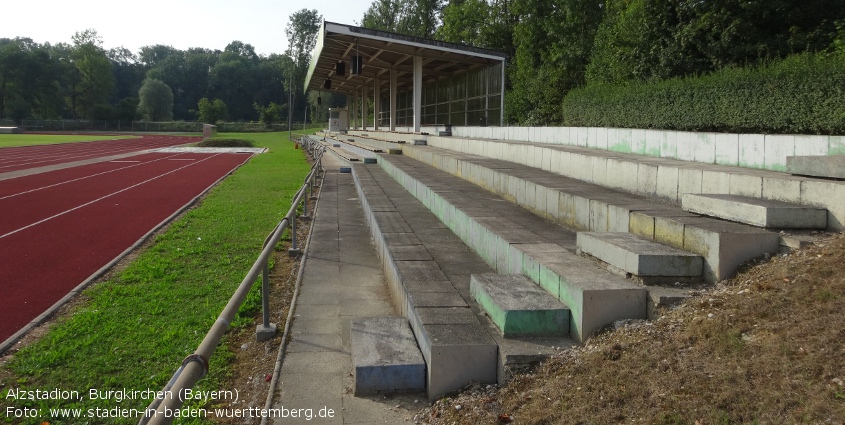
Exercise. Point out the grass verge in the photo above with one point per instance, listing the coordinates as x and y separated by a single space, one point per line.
12 140
132 330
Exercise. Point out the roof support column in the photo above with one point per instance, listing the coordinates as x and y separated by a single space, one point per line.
354 110
393 77
364 106
376 102
418 62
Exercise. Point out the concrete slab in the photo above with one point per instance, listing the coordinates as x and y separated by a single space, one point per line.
457 355
638 256
817 166
385 357
519 307
756 212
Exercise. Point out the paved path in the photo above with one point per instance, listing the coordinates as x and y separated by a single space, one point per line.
343 279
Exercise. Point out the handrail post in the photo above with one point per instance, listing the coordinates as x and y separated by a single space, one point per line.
293 251
305 203
265 330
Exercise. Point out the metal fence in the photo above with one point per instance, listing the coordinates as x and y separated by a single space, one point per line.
146 126
195 366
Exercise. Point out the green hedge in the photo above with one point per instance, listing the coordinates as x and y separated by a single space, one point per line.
802 94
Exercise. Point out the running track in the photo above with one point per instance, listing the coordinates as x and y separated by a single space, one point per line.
58 228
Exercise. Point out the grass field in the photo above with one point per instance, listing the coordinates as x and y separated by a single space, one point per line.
133 330
10 140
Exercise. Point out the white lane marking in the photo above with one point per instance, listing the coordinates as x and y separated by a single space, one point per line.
123 161
102 197
78 179
183 159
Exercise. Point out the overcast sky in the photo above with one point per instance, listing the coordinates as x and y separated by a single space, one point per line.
182 24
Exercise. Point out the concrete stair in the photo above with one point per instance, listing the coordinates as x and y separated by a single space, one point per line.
831 167
428 272
583 206
385 357
638 256
511 240
518 307
755 211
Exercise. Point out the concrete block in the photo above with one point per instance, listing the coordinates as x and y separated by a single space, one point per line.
638 141
595 297
639 256
614 176
778 147
727 149
686 146
756 212
725 245
752 149
715 181
641 224
519 307
689 181
705 148
667 182
826 194
582 212
599 172
647 179
669 144
669 231
781 189
618 219
811 145
836 145
653 142
601 138
619 140
746 185
457 355
385 356
598 216
568 211
817 166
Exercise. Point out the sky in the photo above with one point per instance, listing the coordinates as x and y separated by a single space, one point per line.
183 24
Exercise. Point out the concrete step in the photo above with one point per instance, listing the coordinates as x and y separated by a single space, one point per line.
385 357
755 211
832 167
583 206
511 240
519 307
638 256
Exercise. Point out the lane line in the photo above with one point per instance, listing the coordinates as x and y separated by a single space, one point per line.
104 197
82 178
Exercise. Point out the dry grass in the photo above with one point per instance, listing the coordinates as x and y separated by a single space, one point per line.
767 346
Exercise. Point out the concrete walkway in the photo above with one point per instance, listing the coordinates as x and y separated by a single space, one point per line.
342 280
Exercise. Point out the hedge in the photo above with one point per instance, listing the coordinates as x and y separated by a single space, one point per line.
803 94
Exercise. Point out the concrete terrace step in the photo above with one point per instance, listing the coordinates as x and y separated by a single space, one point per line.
513 241
638 256
428 273
584 206
755 211
832 167
367 153
662 177
518 307
385 357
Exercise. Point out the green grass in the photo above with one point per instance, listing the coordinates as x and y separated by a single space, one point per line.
10 140
136 328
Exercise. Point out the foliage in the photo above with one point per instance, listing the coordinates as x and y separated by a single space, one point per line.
801 94
301 32
211 112
418 18
479 23
96 82
271 113
225 142
553 46
156 100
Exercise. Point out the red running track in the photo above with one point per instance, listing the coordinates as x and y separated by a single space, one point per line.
59 228
25 157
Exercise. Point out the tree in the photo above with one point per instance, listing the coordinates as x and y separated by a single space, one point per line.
156 100
210 112
418 18
479 23
301 33
270 114
96 82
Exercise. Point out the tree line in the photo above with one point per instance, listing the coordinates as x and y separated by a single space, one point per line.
556 46
83 80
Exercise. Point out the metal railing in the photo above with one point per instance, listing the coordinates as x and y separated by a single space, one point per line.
195 366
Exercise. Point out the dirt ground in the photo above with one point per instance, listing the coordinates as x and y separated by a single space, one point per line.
766 346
